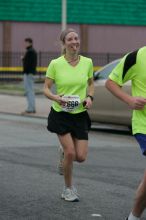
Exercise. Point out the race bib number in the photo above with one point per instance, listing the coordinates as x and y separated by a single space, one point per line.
72 102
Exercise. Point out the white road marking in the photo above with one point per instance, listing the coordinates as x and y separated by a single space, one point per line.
96 215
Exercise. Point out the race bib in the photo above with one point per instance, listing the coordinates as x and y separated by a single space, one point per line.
73 102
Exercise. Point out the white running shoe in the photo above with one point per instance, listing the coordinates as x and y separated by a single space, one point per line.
61 158
75 190
69 195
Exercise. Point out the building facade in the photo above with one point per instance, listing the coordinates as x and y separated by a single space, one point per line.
105 26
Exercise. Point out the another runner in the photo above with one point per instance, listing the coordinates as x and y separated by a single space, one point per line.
133 67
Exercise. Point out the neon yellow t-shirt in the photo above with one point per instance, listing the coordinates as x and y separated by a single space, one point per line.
133 67
70 80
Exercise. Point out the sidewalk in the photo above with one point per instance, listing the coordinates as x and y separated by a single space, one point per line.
12 104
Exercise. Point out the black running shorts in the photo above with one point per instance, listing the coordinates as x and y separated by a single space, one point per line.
63 122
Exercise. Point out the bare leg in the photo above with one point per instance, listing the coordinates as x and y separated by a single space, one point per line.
69 156
81 149
140 200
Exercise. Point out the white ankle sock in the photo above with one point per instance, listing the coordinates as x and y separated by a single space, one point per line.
132 217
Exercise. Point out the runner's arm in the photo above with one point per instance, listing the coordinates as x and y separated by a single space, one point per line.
88 99
136 103
47 90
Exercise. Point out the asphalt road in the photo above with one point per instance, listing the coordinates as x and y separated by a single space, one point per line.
30 186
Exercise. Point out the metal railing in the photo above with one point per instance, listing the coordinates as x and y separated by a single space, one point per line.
11 63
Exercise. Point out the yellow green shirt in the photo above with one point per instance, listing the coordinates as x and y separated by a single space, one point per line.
70 80
133 67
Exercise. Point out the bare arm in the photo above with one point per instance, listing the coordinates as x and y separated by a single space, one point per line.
90 93
136 103
91 87
47 91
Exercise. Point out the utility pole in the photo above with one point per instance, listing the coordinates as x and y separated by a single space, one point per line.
64 14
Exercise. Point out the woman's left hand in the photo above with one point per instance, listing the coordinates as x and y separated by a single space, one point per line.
87 103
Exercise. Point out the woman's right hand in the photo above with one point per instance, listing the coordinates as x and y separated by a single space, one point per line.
60 100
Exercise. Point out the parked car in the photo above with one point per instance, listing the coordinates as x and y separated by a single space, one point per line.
106 107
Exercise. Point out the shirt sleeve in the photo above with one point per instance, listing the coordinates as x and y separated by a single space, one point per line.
51 71
90 73
125 70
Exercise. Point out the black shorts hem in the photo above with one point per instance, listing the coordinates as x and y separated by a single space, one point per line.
78 125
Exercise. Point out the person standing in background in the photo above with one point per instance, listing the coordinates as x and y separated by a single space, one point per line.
73 76
29 69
